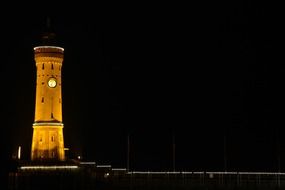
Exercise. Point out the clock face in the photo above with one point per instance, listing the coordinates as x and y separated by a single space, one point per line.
52 82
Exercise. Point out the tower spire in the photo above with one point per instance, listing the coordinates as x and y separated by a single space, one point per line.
48 23
48 37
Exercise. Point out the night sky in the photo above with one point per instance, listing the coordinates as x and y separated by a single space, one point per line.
211 78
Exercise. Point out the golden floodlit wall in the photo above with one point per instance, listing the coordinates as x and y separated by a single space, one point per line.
48 142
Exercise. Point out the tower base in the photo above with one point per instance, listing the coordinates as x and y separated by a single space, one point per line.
48 143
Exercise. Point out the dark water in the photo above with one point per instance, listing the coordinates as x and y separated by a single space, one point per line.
71 180
95 178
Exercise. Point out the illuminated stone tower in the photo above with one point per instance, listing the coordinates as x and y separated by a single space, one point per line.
48 142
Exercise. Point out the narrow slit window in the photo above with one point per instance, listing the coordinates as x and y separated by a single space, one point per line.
52 138
43 67
43 99
52 66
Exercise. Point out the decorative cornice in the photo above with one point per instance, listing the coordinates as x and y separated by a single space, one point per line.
39 48
50 124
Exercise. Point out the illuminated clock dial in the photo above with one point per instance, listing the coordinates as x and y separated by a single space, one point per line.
52 82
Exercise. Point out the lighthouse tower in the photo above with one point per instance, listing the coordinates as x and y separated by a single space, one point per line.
48 142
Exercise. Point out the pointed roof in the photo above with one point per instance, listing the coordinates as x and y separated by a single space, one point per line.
48 37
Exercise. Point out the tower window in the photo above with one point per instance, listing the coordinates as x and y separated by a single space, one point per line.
43 100
43 67
52 138
51 115
52 66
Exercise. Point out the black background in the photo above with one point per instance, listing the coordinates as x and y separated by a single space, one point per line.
208 75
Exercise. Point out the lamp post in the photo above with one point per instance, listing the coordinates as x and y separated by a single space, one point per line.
128 152
173 152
